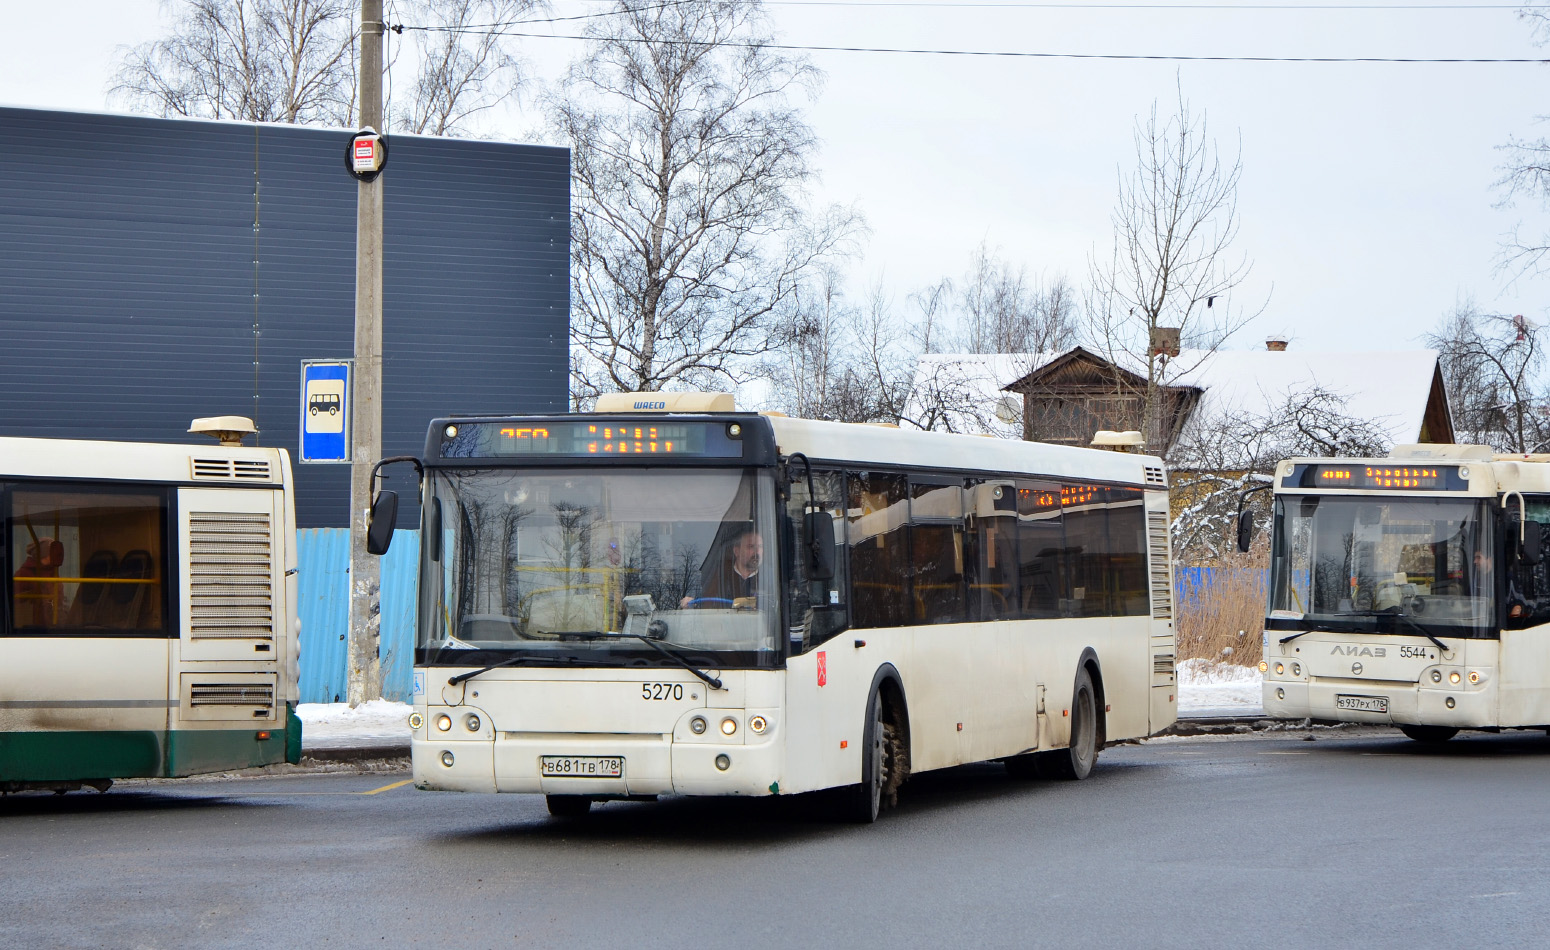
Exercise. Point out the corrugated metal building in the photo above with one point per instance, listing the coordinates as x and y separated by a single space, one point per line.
156 270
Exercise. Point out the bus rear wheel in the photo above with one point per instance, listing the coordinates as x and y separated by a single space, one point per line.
1076 761
568 806
1431 735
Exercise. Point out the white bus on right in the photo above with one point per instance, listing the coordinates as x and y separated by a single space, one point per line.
1410 590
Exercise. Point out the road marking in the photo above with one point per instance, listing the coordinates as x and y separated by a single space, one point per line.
1284 753
387 788
1502 894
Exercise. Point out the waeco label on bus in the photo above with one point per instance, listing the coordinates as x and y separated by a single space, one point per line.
823 668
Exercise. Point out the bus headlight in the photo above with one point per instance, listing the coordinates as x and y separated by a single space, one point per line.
1296 669
697 726
1436 676
728 726
472 722
1280 668
416 721
1474 678
446 759
443 722
1453 677
1263 666
758 725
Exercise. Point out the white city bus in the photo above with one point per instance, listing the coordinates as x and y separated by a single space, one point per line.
149 623
1411 590
667 596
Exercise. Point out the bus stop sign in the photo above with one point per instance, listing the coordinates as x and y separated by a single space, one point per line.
325 410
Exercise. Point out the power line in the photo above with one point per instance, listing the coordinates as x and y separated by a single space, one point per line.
1015 54
971 5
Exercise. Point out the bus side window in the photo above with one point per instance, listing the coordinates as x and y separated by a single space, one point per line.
878 535
88 561
1084 508
937 551
1041 551
1532 582
1129 594
992 549
817 610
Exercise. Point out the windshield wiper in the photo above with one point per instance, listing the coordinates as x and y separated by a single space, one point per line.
1312 628
714 682
535 660
1399 612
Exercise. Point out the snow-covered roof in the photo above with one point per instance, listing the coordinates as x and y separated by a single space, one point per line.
1389 389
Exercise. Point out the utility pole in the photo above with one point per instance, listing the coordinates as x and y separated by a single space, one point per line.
365 665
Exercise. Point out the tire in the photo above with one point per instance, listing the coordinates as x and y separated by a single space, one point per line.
568 806
1431 735
1076 761
882 754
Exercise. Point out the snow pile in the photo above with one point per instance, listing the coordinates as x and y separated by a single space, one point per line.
337 723
1212 688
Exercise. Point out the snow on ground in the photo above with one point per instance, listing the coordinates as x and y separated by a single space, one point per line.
324 724
1206 688
1210 688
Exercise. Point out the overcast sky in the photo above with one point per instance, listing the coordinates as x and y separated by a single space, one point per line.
1366 198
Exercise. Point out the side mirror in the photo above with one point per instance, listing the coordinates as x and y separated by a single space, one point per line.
384 517
1245 529
819 539
1532 551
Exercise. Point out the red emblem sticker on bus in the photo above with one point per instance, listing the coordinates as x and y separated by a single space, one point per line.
823 668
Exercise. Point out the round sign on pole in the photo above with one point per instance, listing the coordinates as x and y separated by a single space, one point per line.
366 154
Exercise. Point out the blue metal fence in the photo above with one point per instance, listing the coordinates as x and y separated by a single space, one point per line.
1192 585
323 594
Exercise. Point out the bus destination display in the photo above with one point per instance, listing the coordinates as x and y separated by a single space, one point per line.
588 439
1365 476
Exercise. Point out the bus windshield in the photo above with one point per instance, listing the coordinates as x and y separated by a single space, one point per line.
572 566
1389 565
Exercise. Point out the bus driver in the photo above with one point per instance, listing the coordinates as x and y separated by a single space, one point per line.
734 581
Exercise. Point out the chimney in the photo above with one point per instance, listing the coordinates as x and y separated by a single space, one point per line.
1276 342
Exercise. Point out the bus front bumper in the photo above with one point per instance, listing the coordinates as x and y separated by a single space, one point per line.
653 765
1408 703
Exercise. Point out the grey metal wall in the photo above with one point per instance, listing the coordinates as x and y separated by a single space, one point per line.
156 270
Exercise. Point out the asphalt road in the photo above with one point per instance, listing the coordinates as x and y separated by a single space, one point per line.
1207 842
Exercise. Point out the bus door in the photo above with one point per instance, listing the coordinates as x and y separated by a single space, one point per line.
232 608
84 656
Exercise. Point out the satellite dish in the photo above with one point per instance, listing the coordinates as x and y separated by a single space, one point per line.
1008 409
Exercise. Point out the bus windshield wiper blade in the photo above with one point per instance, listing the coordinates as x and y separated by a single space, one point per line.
1313 628
1397 612
714 682
535 660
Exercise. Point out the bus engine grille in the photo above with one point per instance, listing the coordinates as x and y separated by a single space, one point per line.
230 694
231 575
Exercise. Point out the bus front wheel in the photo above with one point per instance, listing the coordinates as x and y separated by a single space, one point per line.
1431 735
881 765
568 806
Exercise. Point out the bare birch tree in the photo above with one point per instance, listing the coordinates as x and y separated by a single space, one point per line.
1172 263
462 63
251 60
295 61
1526 173
688 235
1220 455
1492 366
